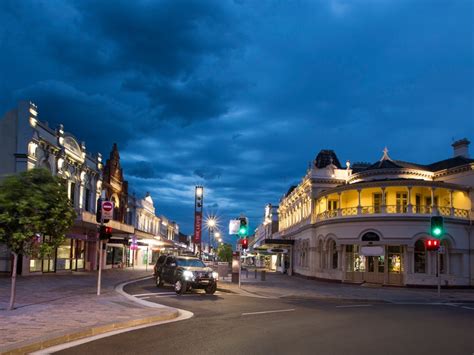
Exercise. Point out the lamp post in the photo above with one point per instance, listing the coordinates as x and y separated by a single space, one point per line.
211 223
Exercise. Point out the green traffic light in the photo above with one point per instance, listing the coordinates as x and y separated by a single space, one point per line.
242 231
437 231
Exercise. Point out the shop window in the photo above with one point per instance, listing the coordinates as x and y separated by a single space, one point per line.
63 256
354 261
394 259
420 257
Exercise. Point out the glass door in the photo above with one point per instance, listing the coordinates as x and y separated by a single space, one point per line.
375 269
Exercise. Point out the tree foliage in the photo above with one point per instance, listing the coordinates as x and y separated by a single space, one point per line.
34 206
224 252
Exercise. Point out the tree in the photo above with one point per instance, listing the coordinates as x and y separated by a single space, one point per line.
224 252
35 213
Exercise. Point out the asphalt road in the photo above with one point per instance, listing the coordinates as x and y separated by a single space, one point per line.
232 324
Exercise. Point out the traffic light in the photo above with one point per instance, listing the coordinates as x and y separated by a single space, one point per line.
98 212
244 228
105 233
432 244
245 243
437 226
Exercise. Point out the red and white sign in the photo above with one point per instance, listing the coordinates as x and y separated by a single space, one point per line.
197 227
107 210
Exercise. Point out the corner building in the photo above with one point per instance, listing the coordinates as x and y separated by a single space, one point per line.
369 222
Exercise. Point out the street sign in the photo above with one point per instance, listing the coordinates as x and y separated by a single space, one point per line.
107 210
441 249
234 226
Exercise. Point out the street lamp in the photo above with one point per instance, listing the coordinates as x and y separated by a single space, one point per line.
211 223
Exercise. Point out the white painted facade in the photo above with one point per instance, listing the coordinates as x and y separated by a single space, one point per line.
336 212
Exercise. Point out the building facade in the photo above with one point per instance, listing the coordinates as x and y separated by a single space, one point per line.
27 143
369 222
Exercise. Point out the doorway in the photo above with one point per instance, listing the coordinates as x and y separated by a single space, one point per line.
374 269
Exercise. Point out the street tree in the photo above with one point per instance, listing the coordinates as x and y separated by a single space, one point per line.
35 213
224 252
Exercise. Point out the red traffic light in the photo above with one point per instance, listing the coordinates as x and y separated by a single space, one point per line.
432 244
108 230
245 243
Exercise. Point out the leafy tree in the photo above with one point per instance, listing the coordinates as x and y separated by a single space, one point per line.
35 213
224 252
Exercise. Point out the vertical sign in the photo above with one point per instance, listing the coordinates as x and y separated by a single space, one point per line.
198 207
197 227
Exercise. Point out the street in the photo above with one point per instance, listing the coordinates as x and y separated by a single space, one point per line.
234 324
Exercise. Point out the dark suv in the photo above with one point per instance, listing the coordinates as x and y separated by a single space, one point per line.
185 272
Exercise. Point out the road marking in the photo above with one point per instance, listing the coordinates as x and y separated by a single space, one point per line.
355 305
471 308
266 312
152 293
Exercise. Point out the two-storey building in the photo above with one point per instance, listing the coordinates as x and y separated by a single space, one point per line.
369 222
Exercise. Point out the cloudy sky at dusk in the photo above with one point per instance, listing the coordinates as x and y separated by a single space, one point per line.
240 95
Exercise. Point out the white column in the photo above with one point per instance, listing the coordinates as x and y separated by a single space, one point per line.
383 201
410 207
359 207
340 204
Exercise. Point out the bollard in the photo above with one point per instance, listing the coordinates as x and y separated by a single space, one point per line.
255 273
262 275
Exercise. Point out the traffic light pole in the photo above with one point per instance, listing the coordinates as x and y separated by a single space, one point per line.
438 266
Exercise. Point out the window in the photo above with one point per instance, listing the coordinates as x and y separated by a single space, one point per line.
394 259
333 205
87 202
334 254
402 202
420 257
72 193
354 261
377 201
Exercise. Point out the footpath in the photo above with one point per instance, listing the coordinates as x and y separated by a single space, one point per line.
278 285
53 309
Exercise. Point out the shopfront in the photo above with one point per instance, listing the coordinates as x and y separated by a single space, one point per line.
380 264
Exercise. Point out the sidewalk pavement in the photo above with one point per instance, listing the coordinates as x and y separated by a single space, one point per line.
56 308
278 285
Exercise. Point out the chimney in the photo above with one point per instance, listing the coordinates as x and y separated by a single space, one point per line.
461 148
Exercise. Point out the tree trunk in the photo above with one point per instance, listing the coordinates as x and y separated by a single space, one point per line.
13 288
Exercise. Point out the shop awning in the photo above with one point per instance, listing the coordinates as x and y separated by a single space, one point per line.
273 246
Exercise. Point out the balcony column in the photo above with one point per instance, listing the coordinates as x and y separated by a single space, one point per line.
359 207
451 212
410 206
339 209
383 200
434 209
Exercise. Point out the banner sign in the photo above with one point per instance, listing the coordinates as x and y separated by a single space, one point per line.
197 227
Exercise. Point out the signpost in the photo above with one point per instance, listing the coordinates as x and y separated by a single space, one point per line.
107 209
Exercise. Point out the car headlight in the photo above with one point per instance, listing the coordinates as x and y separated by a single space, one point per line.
188 275
215 275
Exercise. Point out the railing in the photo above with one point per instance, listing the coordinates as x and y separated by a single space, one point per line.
350 211
460 213
393 209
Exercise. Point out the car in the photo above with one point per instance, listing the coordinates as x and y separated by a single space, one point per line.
185 273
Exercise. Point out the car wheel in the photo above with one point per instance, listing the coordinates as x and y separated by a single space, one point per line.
159 281
180 287
211 289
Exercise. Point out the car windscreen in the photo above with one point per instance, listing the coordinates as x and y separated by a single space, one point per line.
190 262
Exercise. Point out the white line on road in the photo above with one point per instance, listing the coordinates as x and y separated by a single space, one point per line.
266 312
153 293
355 305
467 308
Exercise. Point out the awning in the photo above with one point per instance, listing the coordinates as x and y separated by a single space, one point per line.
274 246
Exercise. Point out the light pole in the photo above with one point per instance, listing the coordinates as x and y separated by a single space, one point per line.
211 223
198 207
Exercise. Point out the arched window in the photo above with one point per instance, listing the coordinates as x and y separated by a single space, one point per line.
420 257
321 255
333 251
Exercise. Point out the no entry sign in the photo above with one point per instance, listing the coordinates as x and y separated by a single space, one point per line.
107 210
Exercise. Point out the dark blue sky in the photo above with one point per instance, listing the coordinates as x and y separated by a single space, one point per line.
240 95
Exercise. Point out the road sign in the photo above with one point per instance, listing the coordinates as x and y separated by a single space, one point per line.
239 247
107 210
441 249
